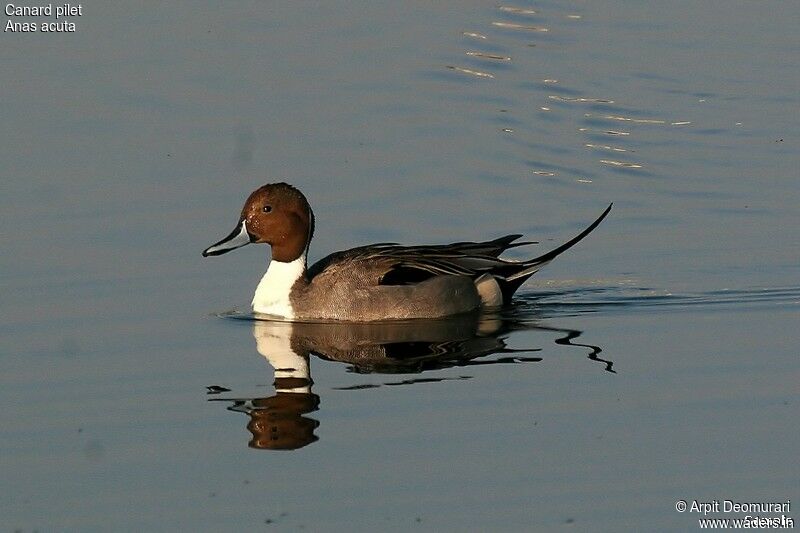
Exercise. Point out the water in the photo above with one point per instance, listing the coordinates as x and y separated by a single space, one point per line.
656 361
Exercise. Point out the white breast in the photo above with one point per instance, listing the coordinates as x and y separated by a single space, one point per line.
274 341
272 295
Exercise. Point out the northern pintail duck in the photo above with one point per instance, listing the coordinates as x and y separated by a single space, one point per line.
383 281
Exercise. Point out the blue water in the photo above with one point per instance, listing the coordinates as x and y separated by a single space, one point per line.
656 361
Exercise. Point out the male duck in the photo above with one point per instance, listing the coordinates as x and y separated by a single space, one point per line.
383 281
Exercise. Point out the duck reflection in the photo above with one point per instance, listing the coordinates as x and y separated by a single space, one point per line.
280 422
277 422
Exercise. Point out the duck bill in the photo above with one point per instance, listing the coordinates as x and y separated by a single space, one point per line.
238 238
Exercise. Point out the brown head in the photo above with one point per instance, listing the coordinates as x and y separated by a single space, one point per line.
276 214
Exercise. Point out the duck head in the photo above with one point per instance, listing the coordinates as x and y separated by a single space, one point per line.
276 214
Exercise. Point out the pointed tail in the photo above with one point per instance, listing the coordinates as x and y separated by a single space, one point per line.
531 266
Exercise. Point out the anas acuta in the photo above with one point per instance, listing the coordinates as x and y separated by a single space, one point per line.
384 281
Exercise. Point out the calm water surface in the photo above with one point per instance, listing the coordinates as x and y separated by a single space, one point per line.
655 362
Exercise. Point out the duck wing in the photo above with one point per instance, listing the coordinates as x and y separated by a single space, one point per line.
394 264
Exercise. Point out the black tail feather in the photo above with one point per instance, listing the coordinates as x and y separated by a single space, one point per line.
549 256
512 280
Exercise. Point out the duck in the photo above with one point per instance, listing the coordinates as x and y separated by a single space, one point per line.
377 282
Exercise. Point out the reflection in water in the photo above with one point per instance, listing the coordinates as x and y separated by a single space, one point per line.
509 36
594 355
517 10
279 422
605 147
483 55
471 72
473 34
621 118
620 164
579 100
574 301
515 26
605 132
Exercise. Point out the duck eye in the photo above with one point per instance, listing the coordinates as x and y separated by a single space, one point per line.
267 208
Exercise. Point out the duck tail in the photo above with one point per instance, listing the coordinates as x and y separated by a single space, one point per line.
512 281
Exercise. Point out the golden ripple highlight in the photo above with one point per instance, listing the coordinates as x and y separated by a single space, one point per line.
628 119
605 132
515 26
473 34
483 55
642 120
605 147
620 164
517 10
580 100
476 73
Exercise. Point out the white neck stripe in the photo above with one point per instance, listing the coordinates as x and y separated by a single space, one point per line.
273 293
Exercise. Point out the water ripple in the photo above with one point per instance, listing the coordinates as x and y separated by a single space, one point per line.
582 300
605 132
483 55
580 100
473 34
500 49
471 72
620 164
517 10
621 118
605 147
515 26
